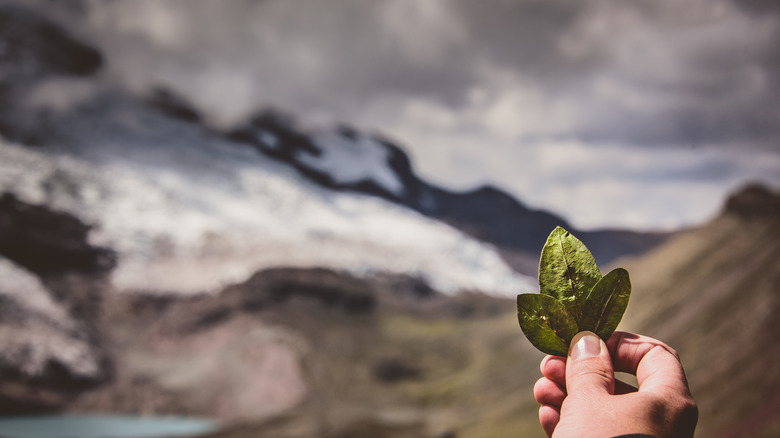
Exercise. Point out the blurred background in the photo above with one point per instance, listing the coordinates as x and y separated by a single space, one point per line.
310 218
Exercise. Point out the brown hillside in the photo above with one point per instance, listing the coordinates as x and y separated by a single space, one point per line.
314 353
712 293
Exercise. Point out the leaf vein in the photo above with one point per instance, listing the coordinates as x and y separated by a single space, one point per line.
569 267
605 307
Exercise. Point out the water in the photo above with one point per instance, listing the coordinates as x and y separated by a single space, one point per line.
103 426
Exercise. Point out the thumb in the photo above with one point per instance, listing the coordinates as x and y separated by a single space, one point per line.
589 367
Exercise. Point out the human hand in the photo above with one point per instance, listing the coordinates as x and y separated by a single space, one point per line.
580 397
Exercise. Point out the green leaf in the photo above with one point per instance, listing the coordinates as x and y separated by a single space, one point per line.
567 270
546 323
573 296
604 307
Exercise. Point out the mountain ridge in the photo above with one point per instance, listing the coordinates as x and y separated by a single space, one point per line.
711 293
388 355
485 212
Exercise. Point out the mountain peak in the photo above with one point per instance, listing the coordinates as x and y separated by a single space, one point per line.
752 201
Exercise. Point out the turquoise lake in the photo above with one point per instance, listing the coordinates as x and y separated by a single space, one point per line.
103 426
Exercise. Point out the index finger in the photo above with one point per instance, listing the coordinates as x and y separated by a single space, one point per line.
656 365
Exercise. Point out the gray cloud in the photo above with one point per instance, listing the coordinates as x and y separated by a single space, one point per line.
705 72
529 37
481 90
645 73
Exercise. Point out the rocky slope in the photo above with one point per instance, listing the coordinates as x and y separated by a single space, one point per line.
315 352
288 351
46 354
712 293
52 283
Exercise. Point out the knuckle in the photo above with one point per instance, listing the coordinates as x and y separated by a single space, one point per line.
668 349
681 411
658 408
540 390
685 417
673 352
593 372
539 385
688 410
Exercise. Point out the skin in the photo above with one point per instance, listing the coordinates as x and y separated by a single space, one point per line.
579 396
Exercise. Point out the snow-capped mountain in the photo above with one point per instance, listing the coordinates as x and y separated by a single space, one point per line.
189 211
346 159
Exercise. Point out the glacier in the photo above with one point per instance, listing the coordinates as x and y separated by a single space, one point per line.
191 213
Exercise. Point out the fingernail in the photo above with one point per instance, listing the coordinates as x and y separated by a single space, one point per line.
589 345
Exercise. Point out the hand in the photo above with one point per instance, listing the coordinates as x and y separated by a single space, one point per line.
580 397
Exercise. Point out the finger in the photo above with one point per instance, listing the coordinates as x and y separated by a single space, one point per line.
547 392
656 365
549 416
589 366
554 368
627 349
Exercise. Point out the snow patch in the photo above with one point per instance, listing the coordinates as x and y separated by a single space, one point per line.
25 289
268 140
352 160
46 333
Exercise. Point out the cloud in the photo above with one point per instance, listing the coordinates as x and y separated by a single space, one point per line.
672 94
296 54
642 188
642 73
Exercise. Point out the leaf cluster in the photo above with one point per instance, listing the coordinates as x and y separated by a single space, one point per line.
573 296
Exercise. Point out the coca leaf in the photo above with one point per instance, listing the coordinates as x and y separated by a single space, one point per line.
567 270
573 296
606 303
546 323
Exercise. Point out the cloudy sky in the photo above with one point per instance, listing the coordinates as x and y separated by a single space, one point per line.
640 113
